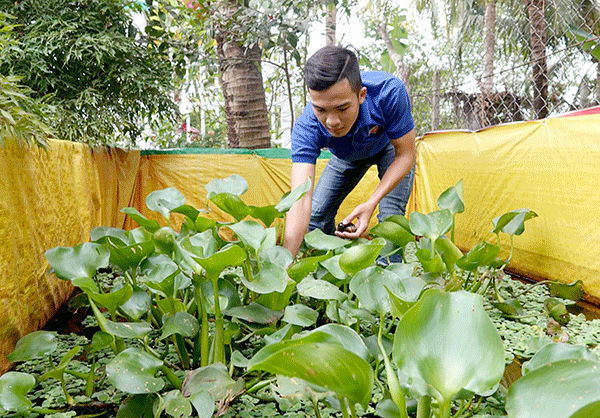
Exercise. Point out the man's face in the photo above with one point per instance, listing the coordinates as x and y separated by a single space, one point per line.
337 107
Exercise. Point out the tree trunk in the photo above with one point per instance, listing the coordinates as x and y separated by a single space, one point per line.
330 23
243 90
402 71
537 28
435 102
487 80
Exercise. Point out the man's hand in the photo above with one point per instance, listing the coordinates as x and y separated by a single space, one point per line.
362 213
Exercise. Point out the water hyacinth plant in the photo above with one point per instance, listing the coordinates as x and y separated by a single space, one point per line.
199 317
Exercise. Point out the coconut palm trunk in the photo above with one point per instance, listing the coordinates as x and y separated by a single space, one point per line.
537 30
243 89
487 81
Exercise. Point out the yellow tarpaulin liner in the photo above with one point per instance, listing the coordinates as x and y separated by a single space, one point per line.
549 166
47 200
268 179
55 199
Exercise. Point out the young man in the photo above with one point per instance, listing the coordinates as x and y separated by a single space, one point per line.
363 119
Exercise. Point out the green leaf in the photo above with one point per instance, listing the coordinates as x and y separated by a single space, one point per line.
558 389
369 286
102 233
431 264
137 305
300 315
162 201
300 269
150 225
361 256
100 341
13 391
174 405
320 289
187 210
513 222
452 199
207 385
510 307
112 300
481 254
128 329
318 240
432 225
229 256
251 233
181 323
270 278
393 232
433 337
254 313
449 252
137 406
277 301
347 338
203 402
332 265
590 410
130 256
133 371
202 224
571 291
231 204
234 184
80 261
265 214
553 352
33 345
161 279
325 364
288 199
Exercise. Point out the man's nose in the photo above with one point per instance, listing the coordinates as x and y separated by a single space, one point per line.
332 120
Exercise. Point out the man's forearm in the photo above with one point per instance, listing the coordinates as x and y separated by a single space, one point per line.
296 224
393 175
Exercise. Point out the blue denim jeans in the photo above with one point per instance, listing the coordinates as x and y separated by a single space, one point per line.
340 177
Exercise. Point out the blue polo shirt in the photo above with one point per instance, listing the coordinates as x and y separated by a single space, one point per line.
384 115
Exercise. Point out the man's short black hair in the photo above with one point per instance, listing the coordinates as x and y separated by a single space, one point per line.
331 64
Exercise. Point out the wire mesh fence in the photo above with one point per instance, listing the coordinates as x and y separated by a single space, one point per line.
545 62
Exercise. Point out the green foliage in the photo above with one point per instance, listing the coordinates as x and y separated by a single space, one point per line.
21 117
102 76
193 320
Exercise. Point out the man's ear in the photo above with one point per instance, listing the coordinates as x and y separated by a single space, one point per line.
362 94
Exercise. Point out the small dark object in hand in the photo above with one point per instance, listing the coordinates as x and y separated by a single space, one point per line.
342 227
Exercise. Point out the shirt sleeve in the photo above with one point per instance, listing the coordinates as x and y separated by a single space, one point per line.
396 104
306 138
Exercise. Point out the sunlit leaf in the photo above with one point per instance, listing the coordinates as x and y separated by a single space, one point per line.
513 222
288 199
33 345
320 289
181 323
452 198
326 364
301 315
317 239
13 391
134 371
150 224
361 256
557 389
234 184
432 341
162 201
82 260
